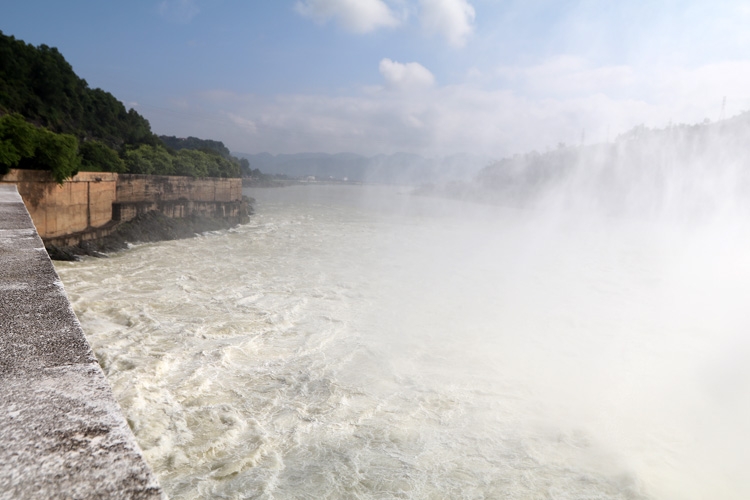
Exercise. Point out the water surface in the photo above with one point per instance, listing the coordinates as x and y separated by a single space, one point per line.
356 342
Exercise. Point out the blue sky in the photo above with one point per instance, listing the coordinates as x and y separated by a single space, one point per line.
434 77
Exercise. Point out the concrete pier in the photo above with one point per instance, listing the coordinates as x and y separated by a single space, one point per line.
62 434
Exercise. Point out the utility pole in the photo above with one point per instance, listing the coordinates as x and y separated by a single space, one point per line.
723 107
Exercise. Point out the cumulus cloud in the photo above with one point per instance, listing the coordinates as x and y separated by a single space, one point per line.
452 19
179 11
357 16
405 76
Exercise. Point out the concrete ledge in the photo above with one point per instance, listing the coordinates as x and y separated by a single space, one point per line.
62 434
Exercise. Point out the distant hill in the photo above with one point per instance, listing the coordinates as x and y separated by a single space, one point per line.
688 169
399 168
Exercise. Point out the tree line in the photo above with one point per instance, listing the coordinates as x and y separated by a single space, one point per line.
51 120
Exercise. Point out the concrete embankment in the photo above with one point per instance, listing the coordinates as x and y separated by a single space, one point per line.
91 205
62 434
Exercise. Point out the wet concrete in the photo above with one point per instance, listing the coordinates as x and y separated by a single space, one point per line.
62 435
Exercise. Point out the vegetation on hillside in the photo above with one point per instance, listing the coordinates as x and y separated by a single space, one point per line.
693 167
22 145
206 145
40 84
51 120
158 160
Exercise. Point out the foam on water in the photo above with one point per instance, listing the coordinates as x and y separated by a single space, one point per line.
366 344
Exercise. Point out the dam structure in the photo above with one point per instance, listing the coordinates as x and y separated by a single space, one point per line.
62 434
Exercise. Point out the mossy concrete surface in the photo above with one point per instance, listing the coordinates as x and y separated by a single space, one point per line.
62 434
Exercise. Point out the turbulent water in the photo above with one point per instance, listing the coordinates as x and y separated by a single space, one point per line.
356 342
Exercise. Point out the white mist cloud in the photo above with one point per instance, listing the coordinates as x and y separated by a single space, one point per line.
179 11
357 16
519 109
245 124
405 76
692 93
452 19
567 75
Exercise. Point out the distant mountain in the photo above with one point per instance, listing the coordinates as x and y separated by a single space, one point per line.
398 168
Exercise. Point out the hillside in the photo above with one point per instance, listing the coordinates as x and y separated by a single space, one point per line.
682 168
51 120
39 84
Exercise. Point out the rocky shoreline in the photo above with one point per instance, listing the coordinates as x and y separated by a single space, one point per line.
149 227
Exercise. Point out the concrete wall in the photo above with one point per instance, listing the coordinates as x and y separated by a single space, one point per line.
178 197
89 205
62 434
135 188
82 202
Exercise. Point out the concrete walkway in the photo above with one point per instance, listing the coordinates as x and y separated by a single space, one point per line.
62 435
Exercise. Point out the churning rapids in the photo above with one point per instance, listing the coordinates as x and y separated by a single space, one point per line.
354 342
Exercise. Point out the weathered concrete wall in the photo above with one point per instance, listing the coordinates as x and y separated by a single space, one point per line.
136 188
178 197
80 203
90 205
62 435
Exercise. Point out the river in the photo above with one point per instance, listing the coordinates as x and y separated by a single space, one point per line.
361 342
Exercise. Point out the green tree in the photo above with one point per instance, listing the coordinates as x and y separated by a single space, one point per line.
191 162
98 157
17 141
24 146
57 153
150 160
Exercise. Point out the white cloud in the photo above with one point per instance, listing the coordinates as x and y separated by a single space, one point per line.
244 123
357 16
568 75
452 19
179 11
439 120
405 76
690 92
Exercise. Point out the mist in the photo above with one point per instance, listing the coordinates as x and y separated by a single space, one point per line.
569 324
626 286
531 282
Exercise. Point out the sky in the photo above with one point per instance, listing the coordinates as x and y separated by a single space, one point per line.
432 77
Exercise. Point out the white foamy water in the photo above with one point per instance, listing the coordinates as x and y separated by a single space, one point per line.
358 342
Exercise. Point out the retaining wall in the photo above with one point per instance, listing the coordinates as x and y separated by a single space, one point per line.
82 202
179 197
91 204
62 434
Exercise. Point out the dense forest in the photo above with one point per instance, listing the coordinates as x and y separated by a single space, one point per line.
51 120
